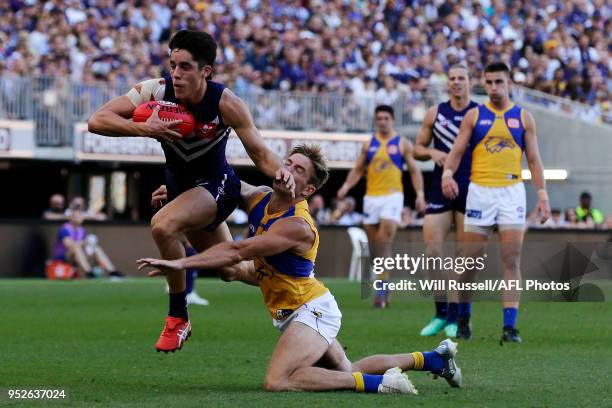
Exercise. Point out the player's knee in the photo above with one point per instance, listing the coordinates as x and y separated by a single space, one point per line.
273 383
163 230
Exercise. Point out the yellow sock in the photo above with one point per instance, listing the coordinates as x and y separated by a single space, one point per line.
359 383
419 360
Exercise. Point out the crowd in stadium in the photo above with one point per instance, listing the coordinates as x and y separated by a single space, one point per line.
385 50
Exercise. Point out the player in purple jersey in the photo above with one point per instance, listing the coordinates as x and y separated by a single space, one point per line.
201 185
442 124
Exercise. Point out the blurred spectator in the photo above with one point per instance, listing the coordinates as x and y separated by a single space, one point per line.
345 214
78 204
75 246
585 213
56 208
316 207
319 45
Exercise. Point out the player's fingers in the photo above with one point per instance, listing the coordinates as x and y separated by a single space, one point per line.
173 123
156 272
155 113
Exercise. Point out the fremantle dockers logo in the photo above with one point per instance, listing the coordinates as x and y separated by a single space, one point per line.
496 144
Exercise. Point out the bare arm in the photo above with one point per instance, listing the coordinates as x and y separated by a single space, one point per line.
356 172
534 162
461 142
422 151
285 234
70 244
450 189
415 175
113 118
236 114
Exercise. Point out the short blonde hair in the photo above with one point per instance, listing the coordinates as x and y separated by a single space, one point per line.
313 152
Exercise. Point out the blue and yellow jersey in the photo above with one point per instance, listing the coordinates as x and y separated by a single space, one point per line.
287 279
497 145
385 164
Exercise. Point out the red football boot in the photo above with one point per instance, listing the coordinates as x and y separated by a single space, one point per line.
176 331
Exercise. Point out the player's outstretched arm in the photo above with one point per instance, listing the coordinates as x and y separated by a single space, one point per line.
356 172
415 175
422 151
449 186
113 118
535 166
236 114
285 234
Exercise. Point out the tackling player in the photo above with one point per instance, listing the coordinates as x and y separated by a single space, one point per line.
283 243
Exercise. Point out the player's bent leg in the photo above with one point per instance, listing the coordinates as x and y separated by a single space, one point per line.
440 362
435 230
191 210
292 366
511 243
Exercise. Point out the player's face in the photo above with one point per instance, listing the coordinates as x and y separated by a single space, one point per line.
497 85
302 169
187 77
458 82
384 122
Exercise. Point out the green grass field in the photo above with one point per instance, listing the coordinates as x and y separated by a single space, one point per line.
96 340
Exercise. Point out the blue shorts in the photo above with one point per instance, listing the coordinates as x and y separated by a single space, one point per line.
225 189
439 204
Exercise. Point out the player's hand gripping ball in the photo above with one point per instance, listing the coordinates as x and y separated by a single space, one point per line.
168 111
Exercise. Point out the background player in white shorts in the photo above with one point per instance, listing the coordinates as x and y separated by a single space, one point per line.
497 133
383 157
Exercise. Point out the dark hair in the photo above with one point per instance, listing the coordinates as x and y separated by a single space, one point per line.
313 152
384 108
497 67
201 46
585 195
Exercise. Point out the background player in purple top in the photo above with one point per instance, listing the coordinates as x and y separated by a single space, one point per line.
442 124
202 187
75 246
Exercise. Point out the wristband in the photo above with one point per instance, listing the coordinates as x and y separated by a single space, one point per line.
542 194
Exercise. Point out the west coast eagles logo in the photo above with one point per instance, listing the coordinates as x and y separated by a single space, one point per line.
496 144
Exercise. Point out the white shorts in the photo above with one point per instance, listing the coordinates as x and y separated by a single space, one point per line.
388 207
502 206
320 314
